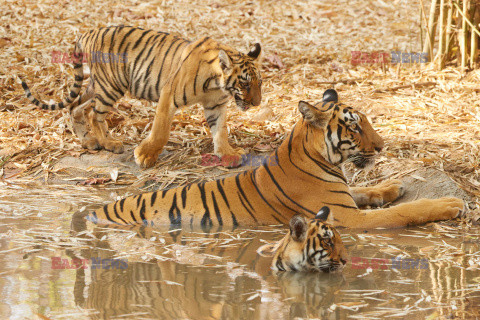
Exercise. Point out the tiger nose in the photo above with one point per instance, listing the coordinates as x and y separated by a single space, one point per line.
378 149
344 261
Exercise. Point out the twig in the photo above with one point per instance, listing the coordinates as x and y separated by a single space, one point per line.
413 85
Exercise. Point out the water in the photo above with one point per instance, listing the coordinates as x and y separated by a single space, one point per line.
217 274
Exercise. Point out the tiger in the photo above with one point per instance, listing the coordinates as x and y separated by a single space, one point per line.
163 68
305 176
309 246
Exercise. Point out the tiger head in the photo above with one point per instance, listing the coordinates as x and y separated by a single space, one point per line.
313 245
347 133
242 76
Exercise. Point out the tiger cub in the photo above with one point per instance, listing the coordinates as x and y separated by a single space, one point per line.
313 245
157 66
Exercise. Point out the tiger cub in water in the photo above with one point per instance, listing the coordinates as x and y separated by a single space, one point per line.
313 245
157 66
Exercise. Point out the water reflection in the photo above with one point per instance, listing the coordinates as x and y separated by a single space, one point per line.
239 286
216 274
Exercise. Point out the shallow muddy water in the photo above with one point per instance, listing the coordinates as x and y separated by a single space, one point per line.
145 273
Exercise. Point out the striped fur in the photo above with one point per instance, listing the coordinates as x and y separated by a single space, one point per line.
159 67
305 177
309 246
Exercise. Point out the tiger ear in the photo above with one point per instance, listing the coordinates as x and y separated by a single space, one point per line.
255 51
330 95
225 62
268 250
298 228
313 116
325 215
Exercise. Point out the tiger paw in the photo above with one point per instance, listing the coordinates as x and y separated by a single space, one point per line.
91 143
441 209
390 190
114 146
145 156
232 158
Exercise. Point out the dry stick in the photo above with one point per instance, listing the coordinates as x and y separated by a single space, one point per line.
428 46
440 35
414 85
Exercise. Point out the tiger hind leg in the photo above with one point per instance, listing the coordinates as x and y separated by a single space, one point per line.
98 124
79 115
378 195
405 214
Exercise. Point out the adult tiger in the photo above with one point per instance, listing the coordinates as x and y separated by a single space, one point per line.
305 177
157 66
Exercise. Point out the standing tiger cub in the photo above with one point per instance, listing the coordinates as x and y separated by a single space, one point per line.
157 66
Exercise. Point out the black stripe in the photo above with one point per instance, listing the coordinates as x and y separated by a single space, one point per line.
237 181
116 213
183 195
254 182
140 39
142 213
283 192
306 172
206 217
198 45
217 210
122 202
324 167
163 61
174 213
215 106
185 94
341 205
107 215
248 210
154 197
134 219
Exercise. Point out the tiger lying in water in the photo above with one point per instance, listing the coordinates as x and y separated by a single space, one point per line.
309 246
159 67
304 178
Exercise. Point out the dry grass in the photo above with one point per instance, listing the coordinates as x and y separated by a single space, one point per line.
307 48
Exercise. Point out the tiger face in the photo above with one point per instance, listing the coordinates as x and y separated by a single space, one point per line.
313 245
243 80
347 133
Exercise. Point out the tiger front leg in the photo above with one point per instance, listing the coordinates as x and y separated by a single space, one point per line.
402 215
215 117
378 195
147 152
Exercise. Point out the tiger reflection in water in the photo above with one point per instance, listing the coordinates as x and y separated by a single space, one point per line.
238 285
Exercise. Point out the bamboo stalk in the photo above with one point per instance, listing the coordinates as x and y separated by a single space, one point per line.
448 32
441 41
463 35
428 45
473 37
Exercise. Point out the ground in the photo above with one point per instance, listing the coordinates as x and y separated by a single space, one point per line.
428 118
